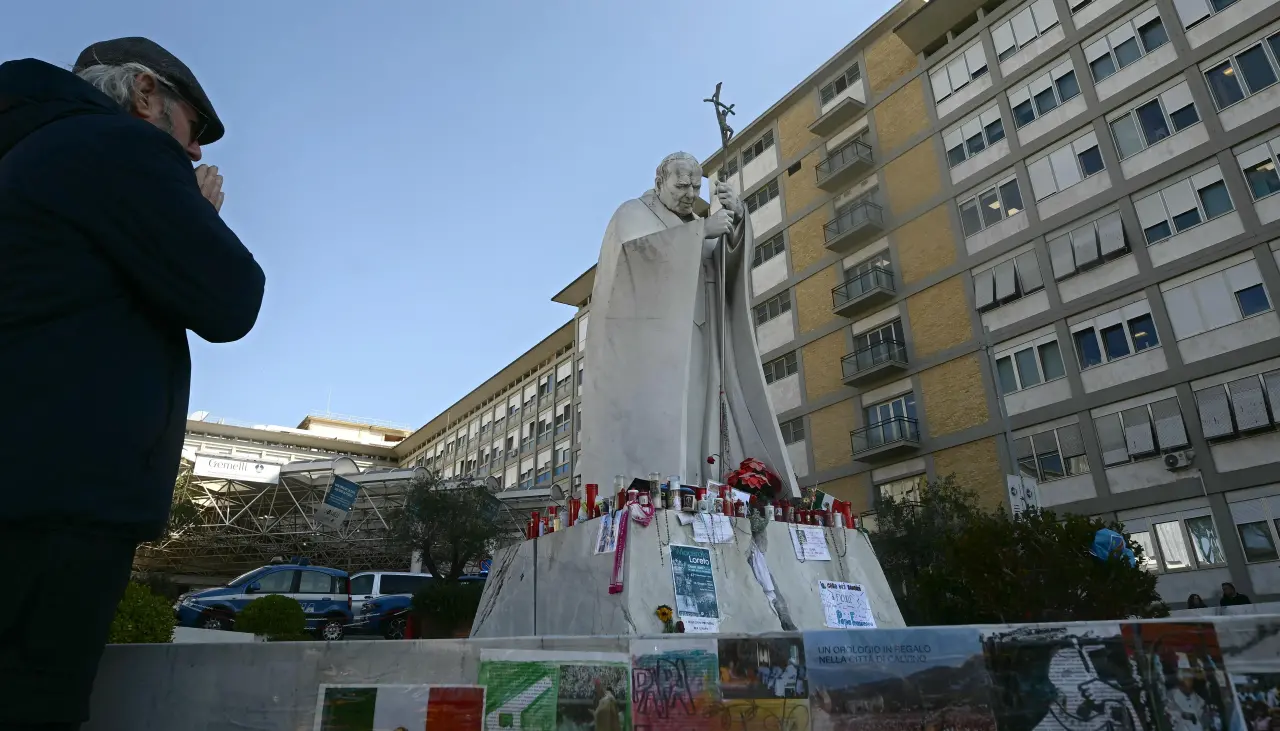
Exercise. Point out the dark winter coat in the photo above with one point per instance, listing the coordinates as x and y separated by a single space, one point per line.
108 255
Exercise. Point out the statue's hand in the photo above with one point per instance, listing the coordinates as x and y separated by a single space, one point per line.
729 199
719 223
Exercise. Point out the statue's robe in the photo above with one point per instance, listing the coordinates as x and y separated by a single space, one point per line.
651 385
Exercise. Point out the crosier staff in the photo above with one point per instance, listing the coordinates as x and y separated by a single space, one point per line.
726 134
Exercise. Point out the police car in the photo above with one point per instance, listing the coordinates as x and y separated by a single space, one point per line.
324 593
384 600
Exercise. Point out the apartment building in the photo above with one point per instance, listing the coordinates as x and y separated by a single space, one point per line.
999 237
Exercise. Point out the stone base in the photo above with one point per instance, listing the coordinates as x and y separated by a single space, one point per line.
558 586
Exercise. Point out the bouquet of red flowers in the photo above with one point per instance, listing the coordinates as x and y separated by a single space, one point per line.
752 476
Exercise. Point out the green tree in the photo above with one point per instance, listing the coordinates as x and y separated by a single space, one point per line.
452 523
276 617
949 562
141 617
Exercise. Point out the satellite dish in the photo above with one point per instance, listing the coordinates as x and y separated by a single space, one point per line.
199 415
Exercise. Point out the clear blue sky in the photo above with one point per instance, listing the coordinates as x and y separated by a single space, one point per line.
418 179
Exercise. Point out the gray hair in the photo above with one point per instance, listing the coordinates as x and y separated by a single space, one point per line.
120 82
664 167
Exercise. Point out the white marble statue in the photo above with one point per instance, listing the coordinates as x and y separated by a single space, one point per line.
652 380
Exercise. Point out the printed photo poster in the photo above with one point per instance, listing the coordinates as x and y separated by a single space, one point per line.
675 684
1251 651
556 691
1184 675
607 532
695 584
764 685
1077 677
400 707
926 679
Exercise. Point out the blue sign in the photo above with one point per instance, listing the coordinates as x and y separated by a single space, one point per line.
342 494
485 565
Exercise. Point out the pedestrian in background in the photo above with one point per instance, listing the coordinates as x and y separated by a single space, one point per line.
111 248
1231 597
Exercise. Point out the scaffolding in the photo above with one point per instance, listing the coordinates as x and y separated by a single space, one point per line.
223 527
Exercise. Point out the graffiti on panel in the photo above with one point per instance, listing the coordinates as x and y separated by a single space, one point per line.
1183 674
399 707
549 691
1069 678
674 684
930 679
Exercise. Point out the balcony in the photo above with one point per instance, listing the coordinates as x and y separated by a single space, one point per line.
874 362
854 226
845 111
844 165
863 292
895 436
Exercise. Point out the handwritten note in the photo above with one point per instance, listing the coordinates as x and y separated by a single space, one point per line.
810 543
712 528
845 605
700 625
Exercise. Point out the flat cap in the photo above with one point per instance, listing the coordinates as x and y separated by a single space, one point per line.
150 54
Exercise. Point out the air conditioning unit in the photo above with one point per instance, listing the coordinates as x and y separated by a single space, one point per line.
1179 460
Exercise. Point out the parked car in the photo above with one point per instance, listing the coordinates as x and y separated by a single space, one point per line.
387 596
324 594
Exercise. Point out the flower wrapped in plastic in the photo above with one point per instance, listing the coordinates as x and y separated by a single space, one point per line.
755 478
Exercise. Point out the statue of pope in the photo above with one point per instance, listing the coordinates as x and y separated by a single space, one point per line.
651 390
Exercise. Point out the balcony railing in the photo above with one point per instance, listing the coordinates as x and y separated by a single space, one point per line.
897 433
840 166
869 362
861 291
854 225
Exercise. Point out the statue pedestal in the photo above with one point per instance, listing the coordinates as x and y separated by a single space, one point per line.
558 585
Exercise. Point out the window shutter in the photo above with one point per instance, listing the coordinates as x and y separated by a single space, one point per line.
1191 11
1138 438
1171 433
1084 241
1024 27
1042 182
1006 281
983 289
1248 403
1111 234
1029 272
1061 258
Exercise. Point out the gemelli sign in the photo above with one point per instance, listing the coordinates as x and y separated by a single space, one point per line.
236 469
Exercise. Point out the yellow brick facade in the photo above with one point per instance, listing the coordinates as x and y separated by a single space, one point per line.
900 117
887 59
822 374
939 317
976 466
854 489
829 434
801 190
925 244
794 136
954 398
813 300
805 239
912 178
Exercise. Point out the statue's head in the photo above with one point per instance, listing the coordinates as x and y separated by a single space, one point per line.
678 182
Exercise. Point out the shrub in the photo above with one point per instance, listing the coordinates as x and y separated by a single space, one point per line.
141 617
444 606
275 617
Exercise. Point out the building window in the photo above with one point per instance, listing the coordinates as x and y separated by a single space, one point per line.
1065 166
1007 281
1193 12
1125 44
1052 454
757 149
526 478
780 368
563 418
1025 26
1217 300
1129 436
1044 94
1154 120
773 307
1244 73
990 206
837 85
956 74
1028 366
1186 203
731 167
1089 245
973 135
1240 407
762 196
902 491
1096 345
892 421
1259 167
1180 545
792 431
769 249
